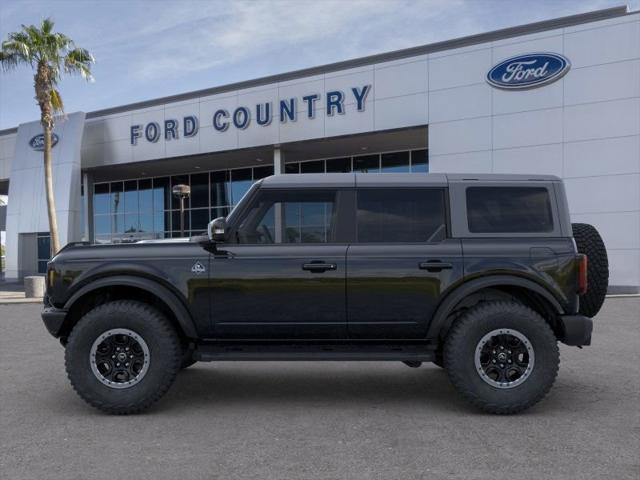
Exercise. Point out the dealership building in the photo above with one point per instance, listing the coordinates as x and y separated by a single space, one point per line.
557 97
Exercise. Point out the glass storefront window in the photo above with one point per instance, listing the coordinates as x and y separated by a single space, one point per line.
200 190
131 203
145 195
367 164
101 198
316 166
420 161
199 219
116 198
261 172
292 168
339 165
220 189
241 180
397 162
161 194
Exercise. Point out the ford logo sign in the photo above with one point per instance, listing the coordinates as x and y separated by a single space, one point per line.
528 71
37 142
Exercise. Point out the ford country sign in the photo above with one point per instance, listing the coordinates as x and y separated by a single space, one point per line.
528 71
37 142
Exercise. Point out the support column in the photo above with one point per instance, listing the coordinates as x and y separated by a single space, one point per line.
278 161
278 169
87 221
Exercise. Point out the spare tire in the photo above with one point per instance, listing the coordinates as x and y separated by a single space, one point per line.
589 242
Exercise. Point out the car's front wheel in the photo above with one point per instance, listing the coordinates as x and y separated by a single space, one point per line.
122 356
501 356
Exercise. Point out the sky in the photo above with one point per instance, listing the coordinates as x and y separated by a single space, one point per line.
150 49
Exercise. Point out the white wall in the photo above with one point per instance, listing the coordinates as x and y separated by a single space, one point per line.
27 208
584 127
397 99
7 150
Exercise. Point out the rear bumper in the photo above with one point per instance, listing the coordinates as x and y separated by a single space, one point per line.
576 330
53 319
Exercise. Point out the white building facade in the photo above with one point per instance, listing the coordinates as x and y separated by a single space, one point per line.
558 97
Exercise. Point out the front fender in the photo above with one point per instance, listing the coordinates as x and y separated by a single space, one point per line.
165 295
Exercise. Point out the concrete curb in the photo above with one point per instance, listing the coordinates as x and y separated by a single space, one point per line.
13 301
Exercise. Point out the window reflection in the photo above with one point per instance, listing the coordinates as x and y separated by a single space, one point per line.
131 210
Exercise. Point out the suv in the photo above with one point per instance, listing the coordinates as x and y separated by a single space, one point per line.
479 274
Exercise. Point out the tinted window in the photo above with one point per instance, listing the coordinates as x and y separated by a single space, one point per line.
400 215
509 210
289 217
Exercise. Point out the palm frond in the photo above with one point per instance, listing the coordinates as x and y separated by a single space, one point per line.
79 61
56 101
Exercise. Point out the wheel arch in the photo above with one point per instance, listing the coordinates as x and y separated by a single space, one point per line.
128 287
527 291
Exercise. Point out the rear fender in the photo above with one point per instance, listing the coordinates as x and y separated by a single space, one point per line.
441 322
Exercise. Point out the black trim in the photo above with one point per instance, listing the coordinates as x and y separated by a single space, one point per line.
576 330
440 323
164 294
53 319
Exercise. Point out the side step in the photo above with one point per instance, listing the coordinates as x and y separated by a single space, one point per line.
223 351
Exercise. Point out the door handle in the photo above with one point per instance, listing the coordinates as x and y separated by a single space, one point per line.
319 267
434 266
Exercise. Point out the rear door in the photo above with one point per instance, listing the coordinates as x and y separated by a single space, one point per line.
401 262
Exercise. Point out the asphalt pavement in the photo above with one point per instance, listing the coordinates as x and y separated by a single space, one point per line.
322 420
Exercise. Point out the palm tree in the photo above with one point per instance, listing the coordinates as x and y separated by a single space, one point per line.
49 54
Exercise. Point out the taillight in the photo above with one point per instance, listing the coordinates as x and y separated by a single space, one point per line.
582 274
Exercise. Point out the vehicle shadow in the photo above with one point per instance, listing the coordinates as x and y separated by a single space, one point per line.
365 383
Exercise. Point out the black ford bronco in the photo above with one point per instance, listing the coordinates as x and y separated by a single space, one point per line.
480 274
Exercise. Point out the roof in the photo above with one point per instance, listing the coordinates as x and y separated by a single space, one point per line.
347 180
371 59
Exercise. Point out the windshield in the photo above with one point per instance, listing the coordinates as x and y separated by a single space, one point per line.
248 193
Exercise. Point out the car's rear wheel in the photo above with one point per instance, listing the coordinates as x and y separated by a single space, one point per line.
589 242
122 356
501 356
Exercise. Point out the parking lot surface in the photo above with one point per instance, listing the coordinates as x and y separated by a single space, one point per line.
324 420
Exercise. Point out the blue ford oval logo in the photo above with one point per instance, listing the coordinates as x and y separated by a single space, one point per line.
37 142
528 71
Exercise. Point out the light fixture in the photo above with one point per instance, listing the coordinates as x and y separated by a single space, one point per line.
259 160
364 148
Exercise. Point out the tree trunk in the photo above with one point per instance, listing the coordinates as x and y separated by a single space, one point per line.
43 86
51 201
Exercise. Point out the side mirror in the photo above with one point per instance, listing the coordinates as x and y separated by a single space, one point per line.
217 229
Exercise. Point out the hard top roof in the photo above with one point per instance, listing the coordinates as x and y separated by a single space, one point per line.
345 180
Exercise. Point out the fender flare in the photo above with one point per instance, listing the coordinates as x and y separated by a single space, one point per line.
439 323
166 296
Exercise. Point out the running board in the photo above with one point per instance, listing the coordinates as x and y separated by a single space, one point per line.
211 352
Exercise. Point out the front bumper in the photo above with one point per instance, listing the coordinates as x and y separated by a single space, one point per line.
576 330
53 319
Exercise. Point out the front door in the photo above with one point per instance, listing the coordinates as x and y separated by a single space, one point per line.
282 274
401 263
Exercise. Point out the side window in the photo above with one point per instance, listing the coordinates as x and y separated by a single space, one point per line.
400 215
509 210
305 216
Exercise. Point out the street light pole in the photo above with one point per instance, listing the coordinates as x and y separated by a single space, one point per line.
182 192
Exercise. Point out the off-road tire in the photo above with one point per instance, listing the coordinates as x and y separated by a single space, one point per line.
164 360
589 242
465 335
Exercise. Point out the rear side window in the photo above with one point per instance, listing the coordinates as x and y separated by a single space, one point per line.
400 215
509 210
